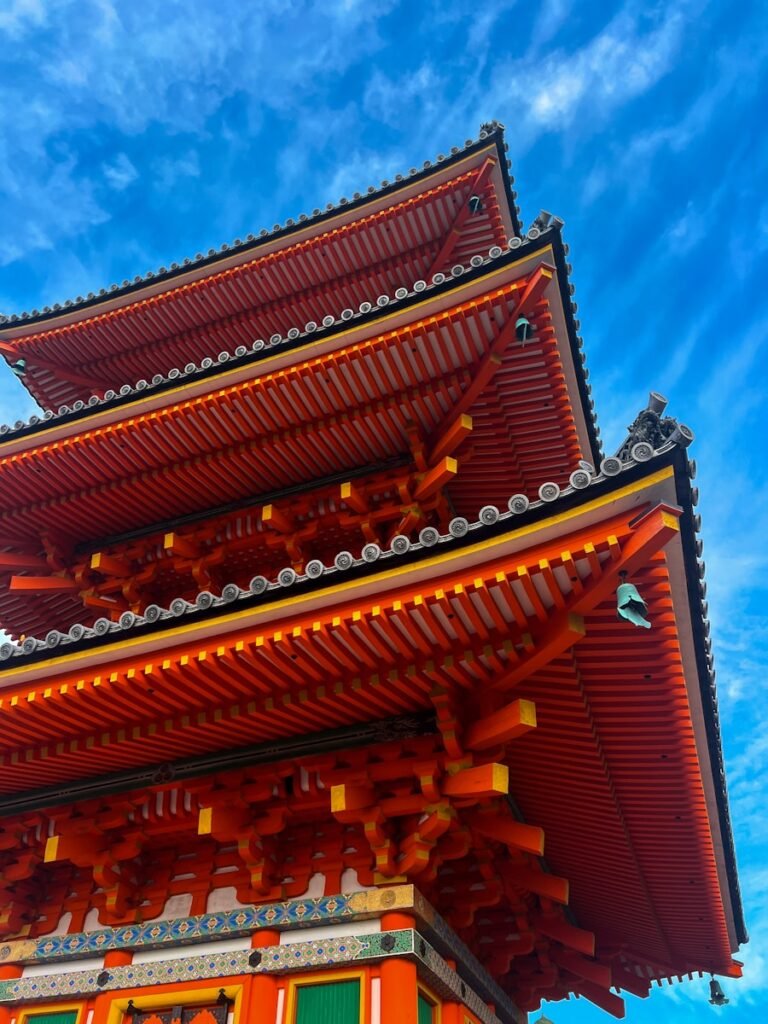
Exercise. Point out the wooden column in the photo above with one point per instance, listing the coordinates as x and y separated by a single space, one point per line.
399 991
262 998
8 972
450 1012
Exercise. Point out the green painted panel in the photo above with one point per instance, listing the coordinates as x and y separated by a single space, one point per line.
332 1002
426 1011
68 1017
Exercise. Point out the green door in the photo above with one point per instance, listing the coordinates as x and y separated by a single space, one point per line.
68 1017
330 1002
426 1010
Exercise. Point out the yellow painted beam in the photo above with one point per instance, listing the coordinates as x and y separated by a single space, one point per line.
504 725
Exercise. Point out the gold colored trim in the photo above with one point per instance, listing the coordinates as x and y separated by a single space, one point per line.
347 588
301 354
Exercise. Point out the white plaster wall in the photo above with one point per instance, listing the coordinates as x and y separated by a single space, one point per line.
148 956
62 927
351 883
329 931
224 899
64 967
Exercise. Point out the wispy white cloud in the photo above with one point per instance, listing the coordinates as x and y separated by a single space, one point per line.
385 99
96 68
628 57
168 171
120 172
21 16
552 15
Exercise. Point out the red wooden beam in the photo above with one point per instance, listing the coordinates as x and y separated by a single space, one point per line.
534 880
502 726
449 244
574 938
589 970
451 439
15 560
436 478
38 584
486 780
484 371
504 829
562 632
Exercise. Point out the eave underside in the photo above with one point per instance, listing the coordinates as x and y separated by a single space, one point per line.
470 412
354 260
633 836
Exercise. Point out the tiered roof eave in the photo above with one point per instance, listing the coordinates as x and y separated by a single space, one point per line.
209 369
231 253
634 477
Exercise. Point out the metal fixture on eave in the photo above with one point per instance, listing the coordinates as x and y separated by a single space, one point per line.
716 995
629 603
523 329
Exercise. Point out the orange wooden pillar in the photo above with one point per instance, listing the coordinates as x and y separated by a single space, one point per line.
450 1012
399 990
262 1000
7 972
103 1001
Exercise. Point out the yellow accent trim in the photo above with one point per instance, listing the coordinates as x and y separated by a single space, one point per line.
302 354
51 849
527 712
500 778
431 997
347 587
46 1008
338 798
157 997
327 977
205 821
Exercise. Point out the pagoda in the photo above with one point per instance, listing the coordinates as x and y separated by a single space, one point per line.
347 680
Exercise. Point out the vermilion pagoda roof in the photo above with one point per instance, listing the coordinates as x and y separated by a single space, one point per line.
314 457
500 611
407 230
319 408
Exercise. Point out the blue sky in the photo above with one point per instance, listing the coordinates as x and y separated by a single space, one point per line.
134 133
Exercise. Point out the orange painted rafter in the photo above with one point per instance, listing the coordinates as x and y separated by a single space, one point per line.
477 185
270 386
40 584
17 560
261 451
406 641
95 387
260 263
459 430
529 293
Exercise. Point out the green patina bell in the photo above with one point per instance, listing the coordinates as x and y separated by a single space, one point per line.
523 329
716 994
19 367
630 605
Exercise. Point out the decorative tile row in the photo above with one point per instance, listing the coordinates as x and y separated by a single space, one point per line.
286 915
487 131
282 959
400 546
